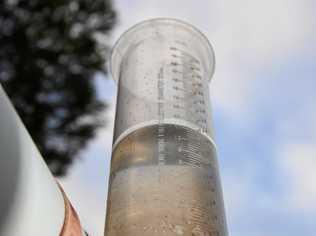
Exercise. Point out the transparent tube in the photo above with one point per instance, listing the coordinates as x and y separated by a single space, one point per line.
164 176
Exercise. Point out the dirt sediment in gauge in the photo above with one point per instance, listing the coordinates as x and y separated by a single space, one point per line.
164 181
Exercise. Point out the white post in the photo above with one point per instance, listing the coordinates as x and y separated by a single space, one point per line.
31 202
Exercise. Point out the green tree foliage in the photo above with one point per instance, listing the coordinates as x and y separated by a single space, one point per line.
49 54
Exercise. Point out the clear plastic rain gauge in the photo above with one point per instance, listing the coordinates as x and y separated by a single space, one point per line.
164 177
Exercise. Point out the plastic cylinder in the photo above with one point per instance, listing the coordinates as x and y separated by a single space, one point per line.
164 177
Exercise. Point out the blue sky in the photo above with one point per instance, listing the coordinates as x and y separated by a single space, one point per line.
264 112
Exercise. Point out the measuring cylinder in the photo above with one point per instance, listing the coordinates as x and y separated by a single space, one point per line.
164 177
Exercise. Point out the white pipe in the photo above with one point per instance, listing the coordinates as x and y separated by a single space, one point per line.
31 203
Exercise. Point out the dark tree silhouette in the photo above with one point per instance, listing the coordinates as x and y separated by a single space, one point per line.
49 54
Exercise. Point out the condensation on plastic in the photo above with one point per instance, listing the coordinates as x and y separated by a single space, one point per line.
164 174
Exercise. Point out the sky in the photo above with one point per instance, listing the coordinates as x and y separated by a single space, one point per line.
263 97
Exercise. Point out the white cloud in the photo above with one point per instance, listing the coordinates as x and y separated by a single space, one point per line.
296 159
250 37
298 165
262 30
237 187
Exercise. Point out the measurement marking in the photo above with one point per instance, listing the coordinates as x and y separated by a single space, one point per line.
176 80
195 68
201 120
177 106
184 53
178 98
193 155
188 61
200 111
195 61
175 63
180 89
197 85
195 147
195 75
198 93
161 128
161 145
201 102
177 71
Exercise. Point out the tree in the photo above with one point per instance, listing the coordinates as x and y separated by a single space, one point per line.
49 54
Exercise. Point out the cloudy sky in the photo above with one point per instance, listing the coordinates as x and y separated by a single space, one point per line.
263 97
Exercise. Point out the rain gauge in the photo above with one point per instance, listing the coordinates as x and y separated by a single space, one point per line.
164 177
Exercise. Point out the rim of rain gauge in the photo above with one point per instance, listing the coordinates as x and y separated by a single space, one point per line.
121 47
